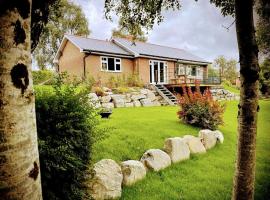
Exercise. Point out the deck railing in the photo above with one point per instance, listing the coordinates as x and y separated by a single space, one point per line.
183 79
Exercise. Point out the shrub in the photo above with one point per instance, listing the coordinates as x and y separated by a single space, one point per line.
45 77
200 109
99 91
121 90
67 128
125 81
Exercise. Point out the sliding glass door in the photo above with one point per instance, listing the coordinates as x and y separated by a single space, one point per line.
158 72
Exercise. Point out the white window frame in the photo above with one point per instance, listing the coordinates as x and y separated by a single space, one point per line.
165 68
104 60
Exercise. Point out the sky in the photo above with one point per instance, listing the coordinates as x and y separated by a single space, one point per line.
198 27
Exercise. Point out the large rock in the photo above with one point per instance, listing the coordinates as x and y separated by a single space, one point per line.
119 102
107 105
219 136
106 180
150 95
146 102
105 99
133 171
137 103
208 138
94 100
195 145
136 97
155 159
177 149
144 91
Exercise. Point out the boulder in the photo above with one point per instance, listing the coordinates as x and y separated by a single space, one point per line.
129 104
106 89
208 138
127 99
137 103
146 102
106 180
155 159
94 100
144 91
107 105
105 99
195 145
119 103
219 136
116 97
132 171
150 95
177 149
136 97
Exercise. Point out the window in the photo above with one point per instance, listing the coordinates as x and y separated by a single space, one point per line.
193 71
180 70
110 64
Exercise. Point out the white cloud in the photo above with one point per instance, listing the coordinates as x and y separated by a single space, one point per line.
197 28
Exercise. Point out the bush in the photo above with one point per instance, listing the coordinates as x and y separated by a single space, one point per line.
123 81
67 128
200 109
45 77
99 91
121 90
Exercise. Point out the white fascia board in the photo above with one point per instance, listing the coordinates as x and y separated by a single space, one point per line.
193 62
136 54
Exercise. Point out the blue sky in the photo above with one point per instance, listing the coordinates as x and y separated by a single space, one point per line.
197 27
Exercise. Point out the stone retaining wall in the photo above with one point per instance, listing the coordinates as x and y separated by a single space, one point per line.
136 98
222 94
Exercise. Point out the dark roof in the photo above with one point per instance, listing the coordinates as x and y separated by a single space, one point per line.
89 44
147 49
124 47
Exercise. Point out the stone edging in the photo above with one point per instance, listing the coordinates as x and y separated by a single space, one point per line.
107 177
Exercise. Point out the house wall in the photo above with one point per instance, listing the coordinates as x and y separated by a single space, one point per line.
143 68
71 60
93 69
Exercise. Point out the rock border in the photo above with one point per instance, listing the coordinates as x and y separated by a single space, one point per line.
176 149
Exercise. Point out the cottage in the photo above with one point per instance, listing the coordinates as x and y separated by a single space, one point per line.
154 64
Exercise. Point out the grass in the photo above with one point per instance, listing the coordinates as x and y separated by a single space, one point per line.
208 176
232 89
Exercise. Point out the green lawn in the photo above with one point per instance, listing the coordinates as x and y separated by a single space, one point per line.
208 176
232 89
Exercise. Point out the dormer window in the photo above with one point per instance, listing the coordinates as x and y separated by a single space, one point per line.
110 64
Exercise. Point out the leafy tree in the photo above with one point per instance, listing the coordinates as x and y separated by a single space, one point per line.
212 71
227 68
147 13
263 26
64 18
123 32
265 77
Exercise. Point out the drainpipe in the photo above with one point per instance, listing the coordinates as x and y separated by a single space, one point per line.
84 62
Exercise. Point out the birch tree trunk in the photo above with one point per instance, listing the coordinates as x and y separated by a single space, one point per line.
248 106
19 161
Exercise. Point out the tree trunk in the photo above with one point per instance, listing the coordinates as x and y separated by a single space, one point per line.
248 106
19 161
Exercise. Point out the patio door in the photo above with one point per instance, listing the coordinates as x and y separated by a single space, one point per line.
158 72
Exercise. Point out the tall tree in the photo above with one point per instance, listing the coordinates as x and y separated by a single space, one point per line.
227 68
263 26
65 18
19 160
123 32
146 13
